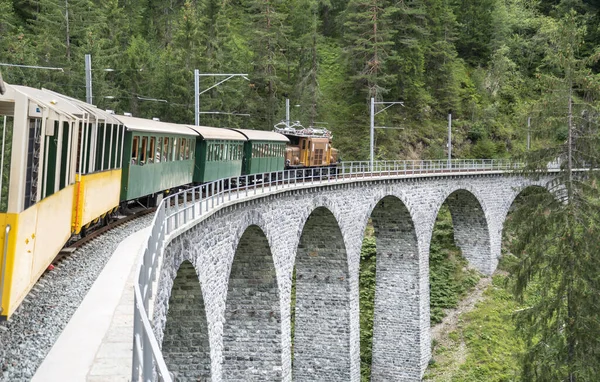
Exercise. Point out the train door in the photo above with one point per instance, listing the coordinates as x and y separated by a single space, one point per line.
305 151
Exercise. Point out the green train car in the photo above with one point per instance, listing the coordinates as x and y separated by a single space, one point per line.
219 153
264 151
157 156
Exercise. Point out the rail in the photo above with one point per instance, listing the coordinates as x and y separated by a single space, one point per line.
178 209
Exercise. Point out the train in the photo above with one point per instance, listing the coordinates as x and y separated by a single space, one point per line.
66 165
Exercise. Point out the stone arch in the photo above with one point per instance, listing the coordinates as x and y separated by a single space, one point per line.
397 314
185 344
322 318
252 327
471 231
509 203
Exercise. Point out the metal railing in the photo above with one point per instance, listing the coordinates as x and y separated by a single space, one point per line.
176 210
3 264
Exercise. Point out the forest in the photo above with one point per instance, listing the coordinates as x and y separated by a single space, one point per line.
479 60
520 79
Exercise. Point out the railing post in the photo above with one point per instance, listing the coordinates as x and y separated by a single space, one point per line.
135 359
148 365
222 190
193 203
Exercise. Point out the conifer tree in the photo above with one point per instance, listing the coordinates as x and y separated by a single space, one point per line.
558 232
370 45
305 26
269 40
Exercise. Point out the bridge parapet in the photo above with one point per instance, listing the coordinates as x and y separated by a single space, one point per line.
478 193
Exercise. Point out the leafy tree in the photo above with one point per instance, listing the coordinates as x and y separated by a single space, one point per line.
559 231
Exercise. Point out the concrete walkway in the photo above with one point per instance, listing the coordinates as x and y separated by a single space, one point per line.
96 345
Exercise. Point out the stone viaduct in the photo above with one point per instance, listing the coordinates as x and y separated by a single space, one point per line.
223 304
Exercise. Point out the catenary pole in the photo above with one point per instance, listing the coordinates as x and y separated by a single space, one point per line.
449 139
372 131
88 78
196 97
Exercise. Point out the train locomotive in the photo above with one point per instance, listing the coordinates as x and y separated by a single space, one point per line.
66 165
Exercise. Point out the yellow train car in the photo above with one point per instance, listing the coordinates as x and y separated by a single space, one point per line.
59 171
98 171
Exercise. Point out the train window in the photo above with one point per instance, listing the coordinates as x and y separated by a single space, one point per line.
6 123
303 144
167 150
181 148
159 150
173 150
135 150
144 152
152 150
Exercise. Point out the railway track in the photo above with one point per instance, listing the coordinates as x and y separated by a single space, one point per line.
69 249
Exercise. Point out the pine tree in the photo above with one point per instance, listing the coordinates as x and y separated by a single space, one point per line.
369 40
558 232
305 25
269 40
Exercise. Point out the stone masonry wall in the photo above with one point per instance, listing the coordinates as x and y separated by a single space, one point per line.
185 345
470 229
338 216
322 326
252 343
396 313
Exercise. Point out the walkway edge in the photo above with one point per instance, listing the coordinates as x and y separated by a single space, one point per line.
73 354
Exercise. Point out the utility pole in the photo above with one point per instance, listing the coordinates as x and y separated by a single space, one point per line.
372 137
528 132
197 91
88 78
287 112
450 139
196 97
372 129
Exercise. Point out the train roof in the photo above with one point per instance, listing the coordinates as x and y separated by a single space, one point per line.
50 100
262 135
95 113
212 133
152 126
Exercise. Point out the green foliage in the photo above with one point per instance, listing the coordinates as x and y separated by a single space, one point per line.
449 276
556 232
367 304
485 346
480 60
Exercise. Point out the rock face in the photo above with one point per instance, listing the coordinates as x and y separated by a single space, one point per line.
223 306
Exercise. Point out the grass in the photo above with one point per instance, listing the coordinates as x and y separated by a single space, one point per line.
488 336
